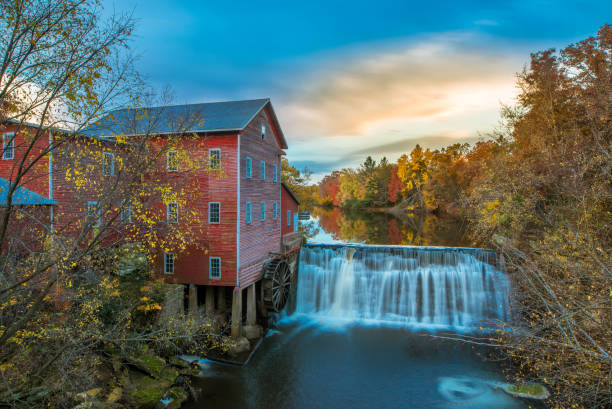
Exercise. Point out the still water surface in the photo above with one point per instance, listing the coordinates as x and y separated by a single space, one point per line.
312 363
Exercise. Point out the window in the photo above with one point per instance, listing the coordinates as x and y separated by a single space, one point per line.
214 158
262 211
214 212
8 146
288 217
126 213
274 173
262 169
295 222
248 212
263 132
172 161
248 167
274 211
108 164
172 212
168 263
93 214
214 268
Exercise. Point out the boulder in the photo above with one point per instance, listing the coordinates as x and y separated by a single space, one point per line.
147 362
145 392
239 346
252 332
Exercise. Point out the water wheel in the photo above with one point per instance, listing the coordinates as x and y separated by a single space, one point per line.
276 284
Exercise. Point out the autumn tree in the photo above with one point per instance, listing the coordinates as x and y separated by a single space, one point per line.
62 67
546 205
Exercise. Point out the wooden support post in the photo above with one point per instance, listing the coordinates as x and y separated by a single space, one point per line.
193 300
251 305
221 302
236 313
210 300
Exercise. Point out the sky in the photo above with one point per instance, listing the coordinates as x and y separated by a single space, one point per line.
349 79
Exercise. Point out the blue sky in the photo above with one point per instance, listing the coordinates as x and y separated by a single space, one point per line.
348 79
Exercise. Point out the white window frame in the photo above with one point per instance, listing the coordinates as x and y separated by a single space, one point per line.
275 173
169 162
126 213
98 222
249 167
289 217
262 169
210 205
262 211
274 210
169 260
217 159
247 212
263 131
168 213
8 148
111 171
210 268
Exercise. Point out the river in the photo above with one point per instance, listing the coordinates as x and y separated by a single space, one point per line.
347 342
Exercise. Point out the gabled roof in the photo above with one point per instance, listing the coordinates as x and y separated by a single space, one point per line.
22 196
290 193
229 116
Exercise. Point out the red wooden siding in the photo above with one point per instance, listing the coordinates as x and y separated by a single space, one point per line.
36 179
288 203
259 238
219 239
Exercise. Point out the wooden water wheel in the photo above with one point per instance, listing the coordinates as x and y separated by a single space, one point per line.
276 284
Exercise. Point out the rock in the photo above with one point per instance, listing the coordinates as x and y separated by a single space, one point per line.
178 395
529 391
147 362
178 362
239 346
115 395
218 322
252 332
88 395
145 392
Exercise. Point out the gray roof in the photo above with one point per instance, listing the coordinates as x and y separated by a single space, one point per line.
22 196
189 118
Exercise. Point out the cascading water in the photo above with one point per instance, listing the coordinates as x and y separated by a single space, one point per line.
435 287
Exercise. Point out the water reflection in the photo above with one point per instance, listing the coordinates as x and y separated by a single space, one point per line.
333 225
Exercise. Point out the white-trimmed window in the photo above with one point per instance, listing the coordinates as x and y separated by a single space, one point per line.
275 173
93 214
126 213
108 164
172 161
262 211
274 211
172 212
214 268
288 217
248 213
249 167
262 169
263 132
214 158
168 263
8 146
214 212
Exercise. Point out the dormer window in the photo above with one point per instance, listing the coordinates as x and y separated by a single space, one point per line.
263 132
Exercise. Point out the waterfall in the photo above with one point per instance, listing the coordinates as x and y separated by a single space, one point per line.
431 287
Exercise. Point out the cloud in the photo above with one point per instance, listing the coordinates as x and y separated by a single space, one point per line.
350 92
